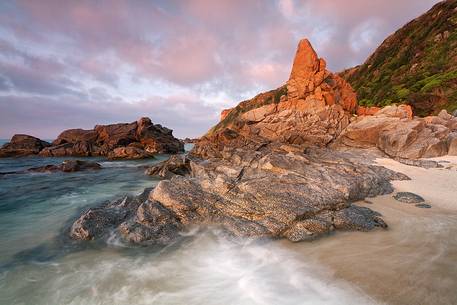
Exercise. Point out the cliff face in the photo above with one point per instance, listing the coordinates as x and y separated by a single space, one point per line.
416 65
311 109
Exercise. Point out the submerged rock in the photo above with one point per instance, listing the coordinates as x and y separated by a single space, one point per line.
152 223
408 197
98 221
67 166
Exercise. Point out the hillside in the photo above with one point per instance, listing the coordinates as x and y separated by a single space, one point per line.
416 65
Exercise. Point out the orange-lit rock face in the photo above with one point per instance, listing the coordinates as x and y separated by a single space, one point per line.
401 111
306 65
361 110
309 79
225 112
311 109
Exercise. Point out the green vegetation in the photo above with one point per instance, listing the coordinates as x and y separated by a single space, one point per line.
366 102
280 92
437 80
415 65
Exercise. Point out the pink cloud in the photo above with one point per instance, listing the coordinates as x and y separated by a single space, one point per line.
227 48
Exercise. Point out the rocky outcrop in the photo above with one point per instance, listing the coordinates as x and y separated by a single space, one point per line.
408 197
395 132
97 221
263 171
311 109
175 165
22 145
269 192
67 166
136 140
129 153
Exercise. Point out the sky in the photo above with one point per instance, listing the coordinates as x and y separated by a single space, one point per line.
75 64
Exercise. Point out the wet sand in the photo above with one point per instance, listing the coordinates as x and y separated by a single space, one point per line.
414 261
438 186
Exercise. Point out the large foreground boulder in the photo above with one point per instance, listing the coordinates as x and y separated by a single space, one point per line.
22 145
270 192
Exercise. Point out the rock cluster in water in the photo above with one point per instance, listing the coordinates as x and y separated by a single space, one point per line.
23 145
136 140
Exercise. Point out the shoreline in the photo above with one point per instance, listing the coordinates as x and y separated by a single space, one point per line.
437 186
399 265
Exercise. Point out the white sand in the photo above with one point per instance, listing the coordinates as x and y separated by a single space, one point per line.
438 186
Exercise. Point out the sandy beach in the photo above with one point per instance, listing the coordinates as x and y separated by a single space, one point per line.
413 261
438 186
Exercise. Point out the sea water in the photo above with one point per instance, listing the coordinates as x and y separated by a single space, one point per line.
413 261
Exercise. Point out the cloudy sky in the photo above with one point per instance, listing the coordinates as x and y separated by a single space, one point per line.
68 64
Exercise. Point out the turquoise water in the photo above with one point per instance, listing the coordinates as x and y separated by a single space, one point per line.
35 208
